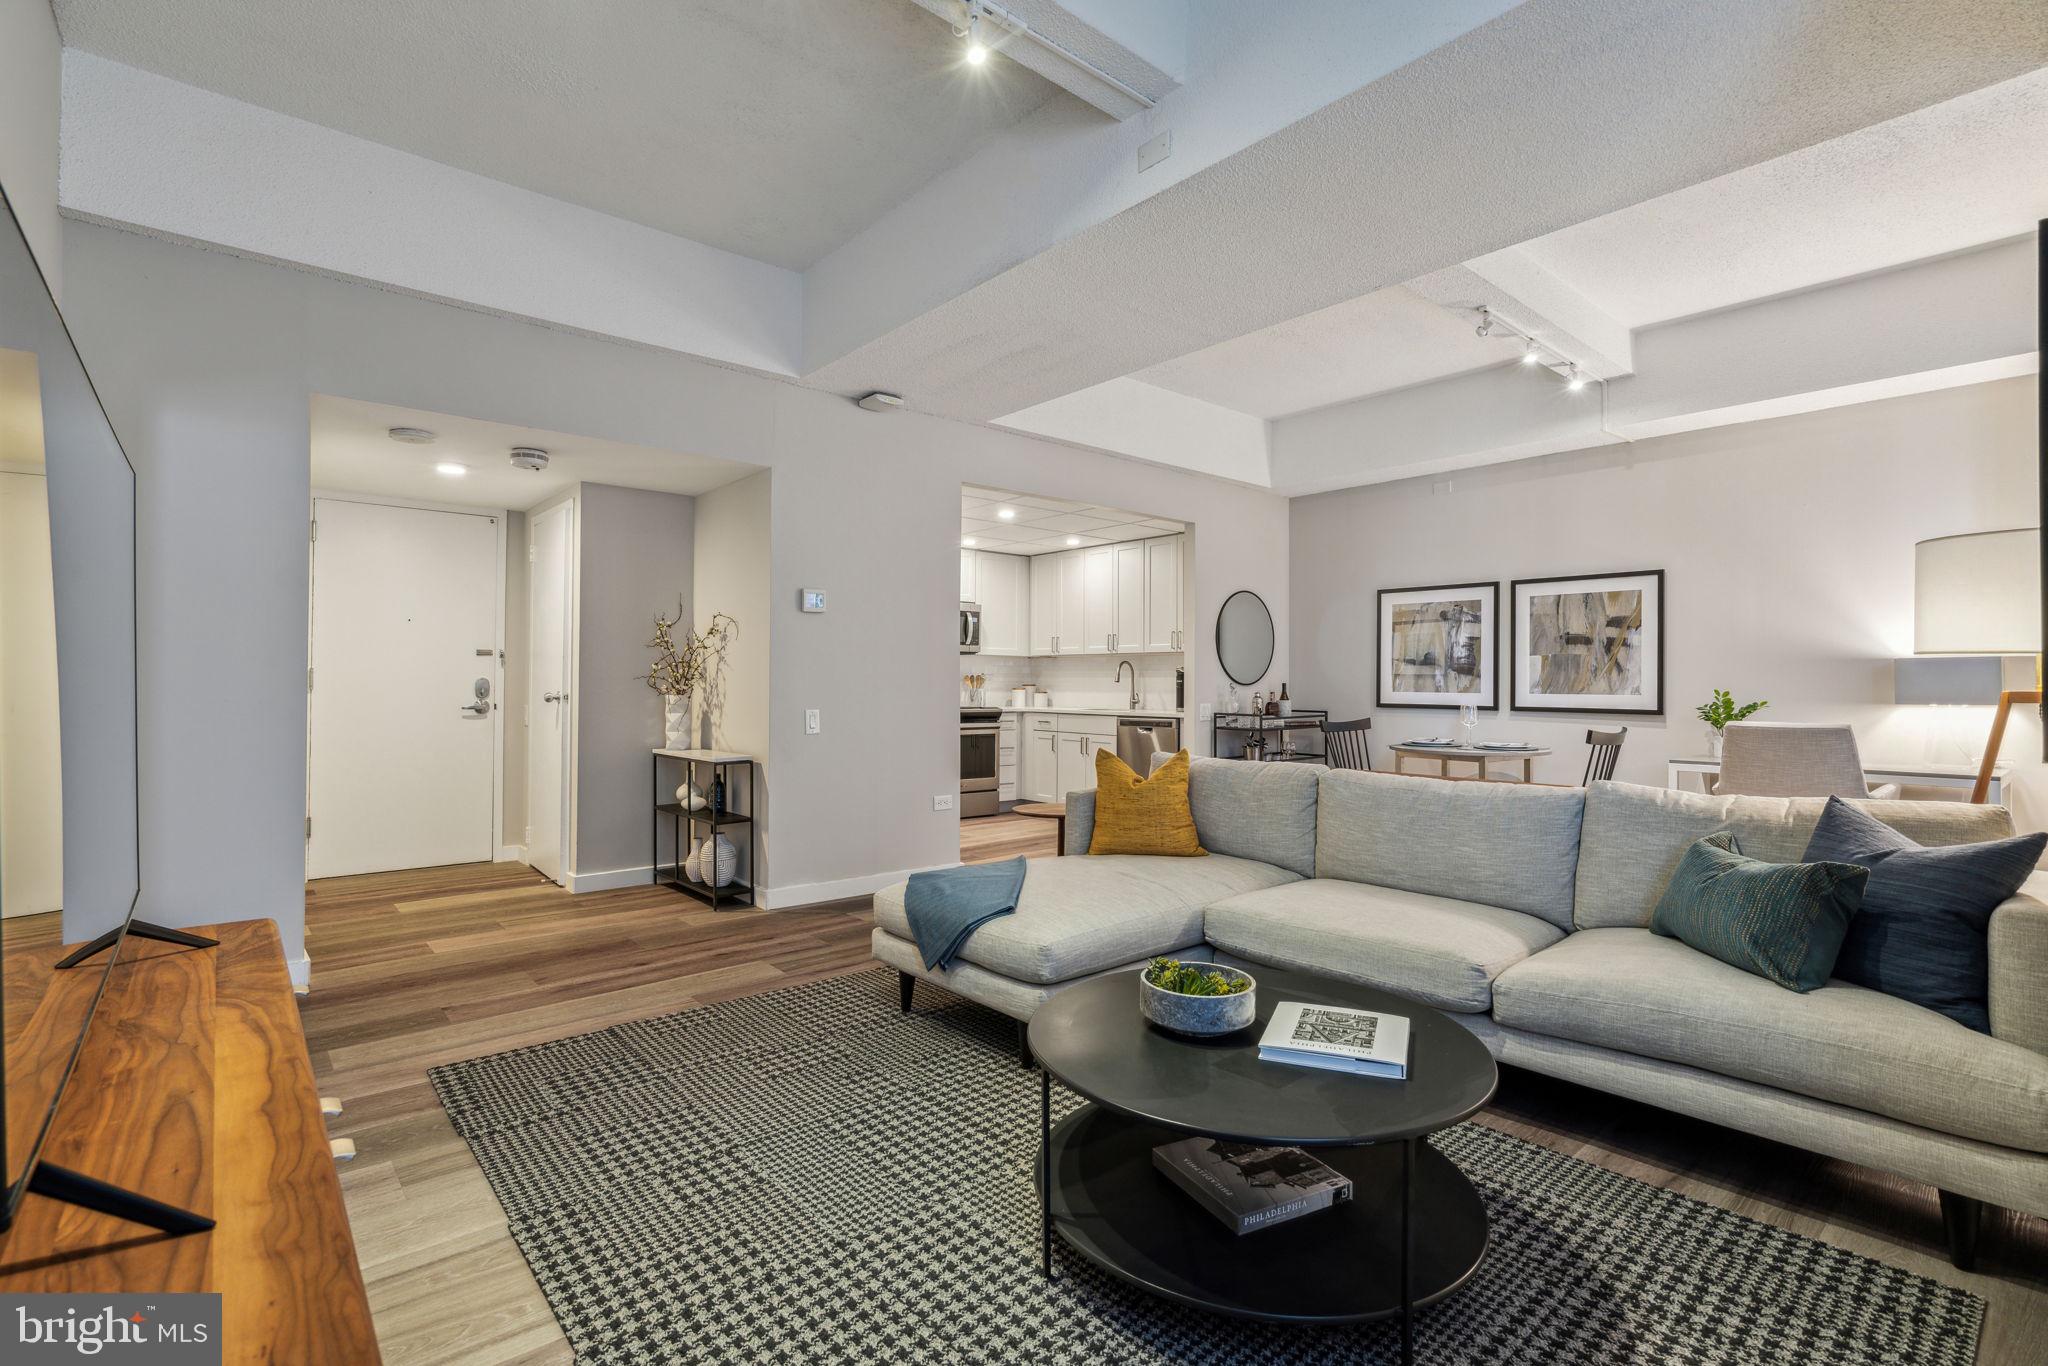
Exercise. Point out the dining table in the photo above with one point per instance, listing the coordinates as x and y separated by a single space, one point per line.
1480 755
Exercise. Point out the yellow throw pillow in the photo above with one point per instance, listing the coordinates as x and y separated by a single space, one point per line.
1136 815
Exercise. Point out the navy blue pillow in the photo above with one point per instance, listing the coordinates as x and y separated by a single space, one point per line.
1922 933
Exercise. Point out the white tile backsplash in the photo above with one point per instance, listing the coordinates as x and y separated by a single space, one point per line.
1078 680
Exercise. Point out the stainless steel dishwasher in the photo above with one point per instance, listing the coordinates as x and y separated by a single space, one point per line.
1138 737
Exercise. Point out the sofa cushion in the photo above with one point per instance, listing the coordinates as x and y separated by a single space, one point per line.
1148 815
1781 921
1082 915
1634 836
1438 950
1637 992
1500 844
1257 811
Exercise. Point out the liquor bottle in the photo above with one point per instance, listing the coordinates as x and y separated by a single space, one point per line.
1286 705
718 793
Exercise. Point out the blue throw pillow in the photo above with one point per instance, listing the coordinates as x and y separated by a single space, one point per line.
1784 921
1926 912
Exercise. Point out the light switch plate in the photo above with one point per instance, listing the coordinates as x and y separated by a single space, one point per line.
811 721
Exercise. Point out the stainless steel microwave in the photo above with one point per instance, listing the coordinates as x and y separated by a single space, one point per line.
970 628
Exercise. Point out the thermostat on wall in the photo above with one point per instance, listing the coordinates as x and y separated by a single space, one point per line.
811 599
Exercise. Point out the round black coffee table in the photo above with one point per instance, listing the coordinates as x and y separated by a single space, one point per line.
1413 1232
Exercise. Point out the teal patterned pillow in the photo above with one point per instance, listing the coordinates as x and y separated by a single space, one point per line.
1784 921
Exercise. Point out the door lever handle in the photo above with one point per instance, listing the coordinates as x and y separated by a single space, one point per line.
478 708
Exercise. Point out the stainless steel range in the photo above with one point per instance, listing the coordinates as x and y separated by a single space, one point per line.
980 739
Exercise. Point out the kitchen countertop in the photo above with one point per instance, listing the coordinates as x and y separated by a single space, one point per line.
1149 713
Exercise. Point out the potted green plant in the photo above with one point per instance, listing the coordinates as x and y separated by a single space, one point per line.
1721 710
1202 999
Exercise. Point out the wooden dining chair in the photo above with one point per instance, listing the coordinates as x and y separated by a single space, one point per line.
1603 749
1345 745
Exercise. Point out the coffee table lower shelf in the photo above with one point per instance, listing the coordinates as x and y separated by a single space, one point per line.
1341 1265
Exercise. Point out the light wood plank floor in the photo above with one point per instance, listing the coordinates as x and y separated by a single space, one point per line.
418 968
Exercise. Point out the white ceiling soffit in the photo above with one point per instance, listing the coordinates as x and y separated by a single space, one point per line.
1972 320
1121 75
1130 417
354 453
1043 526
1556 110
1942 179
1388 339
776 129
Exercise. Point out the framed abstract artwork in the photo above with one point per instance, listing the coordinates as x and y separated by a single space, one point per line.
1588 643
1439 647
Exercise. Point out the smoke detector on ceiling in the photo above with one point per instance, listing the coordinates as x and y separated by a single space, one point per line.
879 402
411 436
529 458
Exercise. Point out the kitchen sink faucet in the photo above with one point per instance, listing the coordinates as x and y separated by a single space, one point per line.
1121 665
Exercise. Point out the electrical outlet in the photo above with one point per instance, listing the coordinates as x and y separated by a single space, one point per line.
1208 710
811 721
942 802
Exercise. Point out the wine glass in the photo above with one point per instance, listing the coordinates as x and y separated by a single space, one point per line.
1468 719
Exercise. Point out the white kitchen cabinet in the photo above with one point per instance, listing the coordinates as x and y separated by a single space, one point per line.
1040 761
1076 763
1004 584
1007 755
1162 595
1098 598
1127 629
1045 604
1072 635
969 578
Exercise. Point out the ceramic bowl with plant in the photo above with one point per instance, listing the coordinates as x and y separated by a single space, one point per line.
1201 999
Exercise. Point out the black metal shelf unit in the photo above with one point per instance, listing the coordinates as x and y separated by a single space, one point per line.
1255 724
719 770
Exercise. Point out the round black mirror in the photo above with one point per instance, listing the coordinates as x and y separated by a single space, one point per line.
1244 637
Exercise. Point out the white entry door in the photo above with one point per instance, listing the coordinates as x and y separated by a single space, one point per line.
402 748
547 704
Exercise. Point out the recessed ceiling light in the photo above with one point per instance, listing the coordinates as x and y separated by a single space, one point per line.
1007 514
1073 540
451 469
411 436
968 541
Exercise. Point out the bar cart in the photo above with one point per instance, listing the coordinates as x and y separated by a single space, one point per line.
1271 737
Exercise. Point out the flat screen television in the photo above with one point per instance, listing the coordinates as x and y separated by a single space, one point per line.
70 852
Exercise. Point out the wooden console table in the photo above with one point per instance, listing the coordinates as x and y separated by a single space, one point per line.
194 1088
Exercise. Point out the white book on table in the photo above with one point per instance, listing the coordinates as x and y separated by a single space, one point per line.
1339 1038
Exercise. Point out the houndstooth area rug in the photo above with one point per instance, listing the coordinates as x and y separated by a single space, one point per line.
809 1176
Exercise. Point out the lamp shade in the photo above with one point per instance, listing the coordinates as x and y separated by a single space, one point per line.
1978 594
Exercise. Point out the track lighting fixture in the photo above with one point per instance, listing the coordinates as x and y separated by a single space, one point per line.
1530 355
977 51
1574 381
1533 352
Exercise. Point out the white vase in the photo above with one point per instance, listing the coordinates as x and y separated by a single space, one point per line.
675 720
1714 742
689 798
693 866
718 862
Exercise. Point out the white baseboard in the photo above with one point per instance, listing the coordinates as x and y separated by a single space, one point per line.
611 878
512 853
800 894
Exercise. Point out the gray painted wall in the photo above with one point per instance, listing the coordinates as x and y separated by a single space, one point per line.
31 79
733 573
636 561
208 362
1787 548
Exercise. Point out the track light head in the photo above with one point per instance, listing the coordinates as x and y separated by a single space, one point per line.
1485 328
977 51
1529 355
1576 381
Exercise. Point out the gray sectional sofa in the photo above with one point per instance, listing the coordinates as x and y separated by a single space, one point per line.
1523 912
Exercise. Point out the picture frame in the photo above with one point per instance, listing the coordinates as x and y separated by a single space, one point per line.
1438 646
1588 643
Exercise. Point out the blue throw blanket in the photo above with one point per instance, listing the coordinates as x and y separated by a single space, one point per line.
946 906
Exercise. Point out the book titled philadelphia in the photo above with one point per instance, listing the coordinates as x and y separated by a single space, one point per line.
1250 1186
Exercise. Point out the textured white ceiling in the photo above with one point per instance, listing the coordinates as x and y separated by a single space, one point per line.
1043 525
773 128
1385 340
1960 174
353 453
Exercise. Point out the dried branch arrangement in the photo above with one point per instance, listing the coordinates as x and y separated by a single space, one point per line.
680 669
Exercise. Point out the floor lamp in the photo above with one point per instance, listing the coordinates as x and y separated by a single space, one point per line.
1980 594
